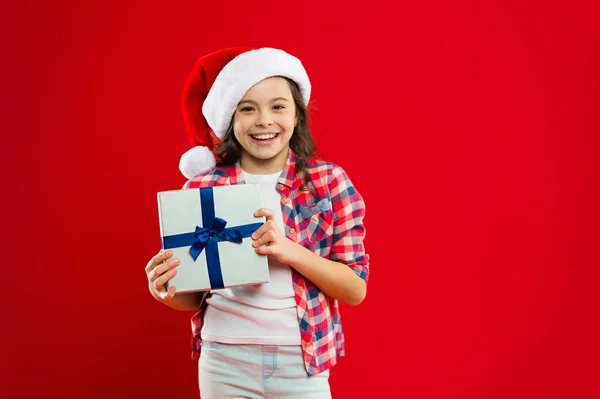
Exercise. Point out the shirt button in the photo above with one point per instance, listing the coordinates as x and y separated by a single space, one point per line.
308 347
279 185
292 231
300 289
287 201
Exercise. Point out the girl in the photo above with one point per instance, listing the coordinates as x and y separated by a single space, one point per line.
277 339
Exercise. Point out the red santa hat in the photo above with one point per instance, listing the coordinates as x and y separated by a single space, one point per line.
214 88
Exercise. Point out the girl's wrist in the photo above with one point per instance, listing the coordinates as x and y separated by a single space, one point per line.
296 255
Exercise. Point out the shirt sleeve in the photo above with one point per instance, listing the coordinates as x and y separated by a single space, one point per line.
348 229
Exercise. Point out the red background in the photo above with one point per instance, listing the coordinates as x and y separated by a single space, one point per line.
472 131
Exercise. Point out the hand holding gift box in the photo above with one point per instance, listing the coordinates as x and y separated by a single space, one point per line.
209 230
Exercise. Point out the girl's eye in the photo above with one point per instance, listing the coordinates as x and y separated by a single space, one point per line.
246 109
278 107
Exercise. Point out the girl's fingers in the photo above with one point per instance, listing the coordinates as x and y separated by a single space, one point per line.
266 226
160 282
265 238
168 295
266 212
266 249
158 259
162 269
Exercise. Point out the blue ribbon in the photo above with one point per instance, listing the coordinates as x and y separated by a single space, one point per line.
322 206
206 238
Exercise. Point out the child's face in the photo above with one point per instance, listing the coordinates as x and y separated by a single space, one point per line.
263 123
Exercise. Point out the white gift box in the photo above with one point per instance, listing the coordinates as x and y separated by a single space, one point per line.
191 224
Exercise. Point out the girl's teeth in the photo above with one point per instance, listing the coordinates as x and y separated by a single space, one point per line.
264 136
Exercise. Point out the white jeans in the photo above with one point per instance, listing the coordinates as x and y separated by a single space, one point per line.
257 371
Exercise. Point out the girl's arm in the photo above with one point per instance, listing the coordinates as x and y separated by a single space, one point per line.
335 279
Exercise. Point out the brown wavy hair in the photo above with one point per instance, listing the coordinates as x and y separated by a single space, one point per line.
229 150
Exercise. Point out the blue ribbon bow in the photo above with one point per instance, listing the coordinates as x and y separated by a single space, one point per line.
321 206
206 239
203 235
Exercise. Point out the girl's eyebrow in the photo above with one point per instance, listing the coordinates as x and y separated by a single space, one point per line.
272 100
279 99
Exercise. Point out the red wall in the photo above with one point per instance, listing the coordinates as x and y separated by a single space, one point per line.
472 131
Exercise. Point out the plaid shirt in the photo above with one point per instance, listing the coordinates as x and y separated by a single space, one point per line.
328 221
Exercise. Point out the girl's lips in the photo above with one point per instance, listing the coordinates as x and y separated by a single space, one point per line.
267 138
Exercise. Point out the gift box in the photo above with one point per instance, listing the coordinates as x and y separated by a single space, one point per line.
209 230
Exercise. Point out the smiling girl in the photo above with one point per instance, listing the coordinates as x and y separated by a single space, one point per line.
246 114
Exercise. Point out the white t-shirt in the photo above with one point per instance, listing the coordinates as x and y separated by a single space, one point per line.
257 314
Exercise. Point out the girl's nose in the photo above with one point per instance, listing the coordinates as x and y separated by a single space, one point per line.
264 119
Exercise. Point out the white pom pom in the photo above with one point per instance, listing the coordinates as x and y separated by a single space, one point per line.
196 161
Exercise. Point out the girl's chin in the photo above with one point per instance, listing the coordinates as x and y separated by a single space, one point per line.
264 154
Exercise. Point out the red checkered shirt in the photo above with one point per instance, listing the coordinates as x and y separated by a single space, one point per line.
328 221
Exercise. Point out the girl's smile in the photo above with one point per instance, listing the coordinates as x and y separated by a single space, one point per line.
264 139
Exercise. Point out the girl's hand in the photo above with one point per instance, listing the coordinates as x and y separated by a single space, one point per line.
269 240
159 270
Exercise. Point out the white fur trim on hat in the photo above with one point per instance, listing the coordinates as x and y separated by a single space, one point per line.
243 72
196 161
